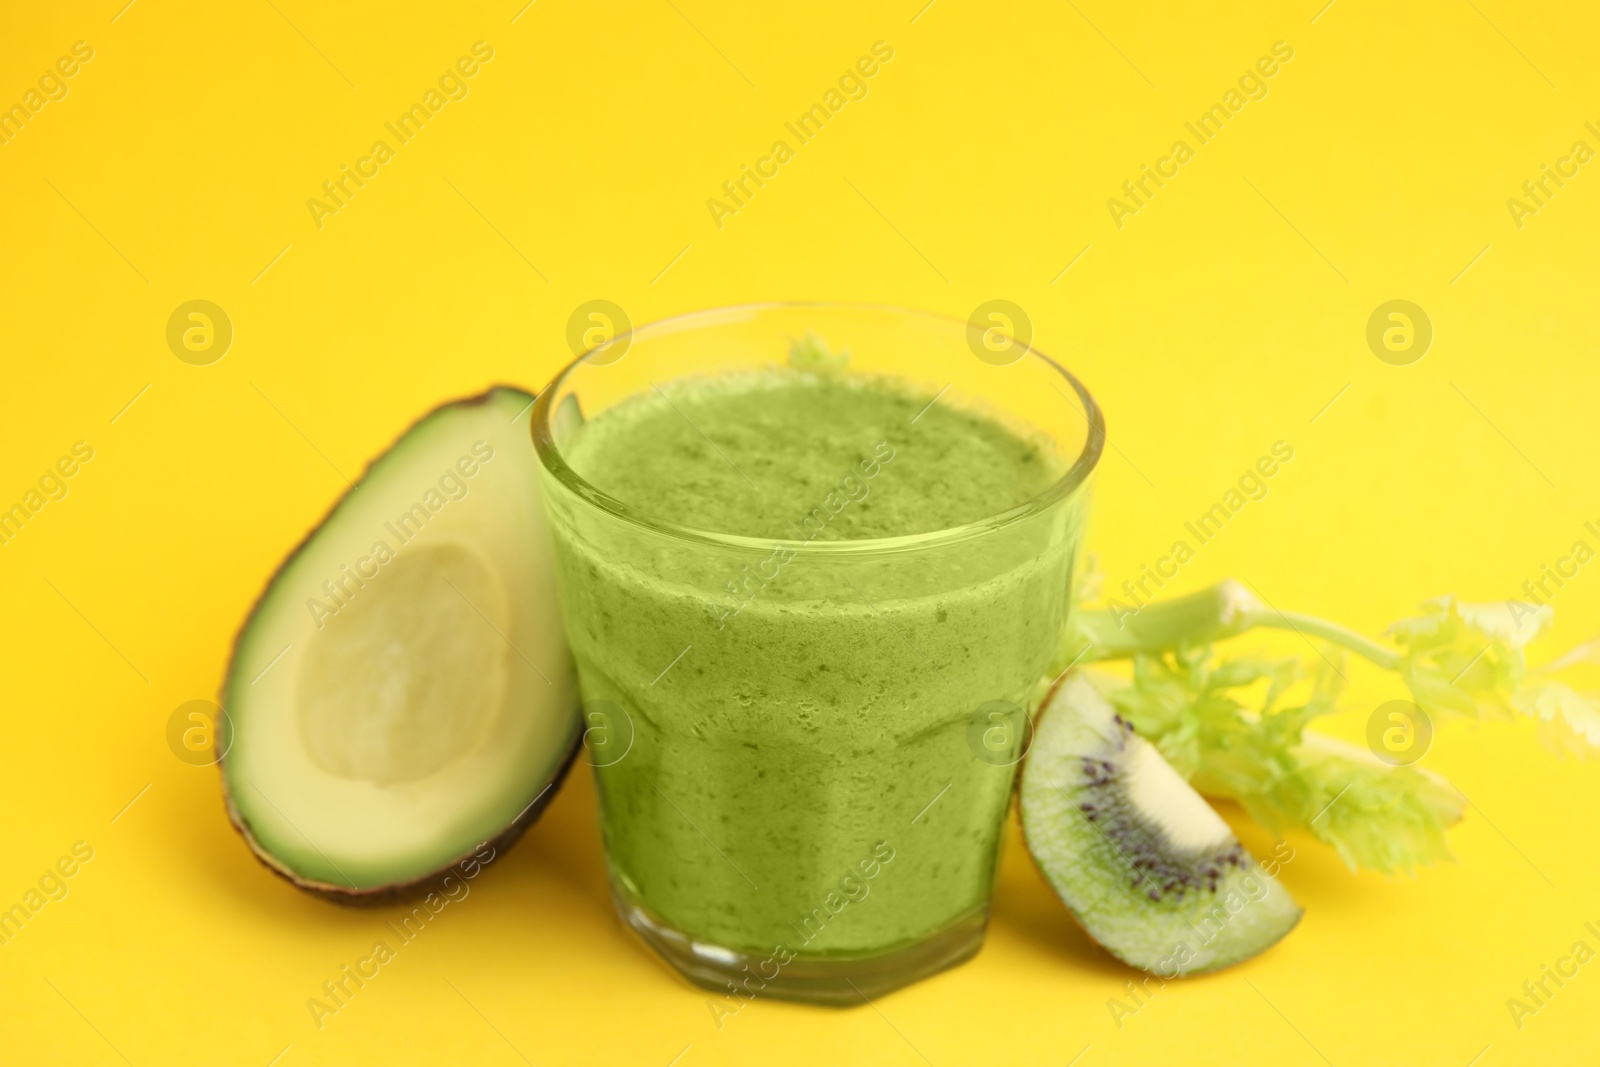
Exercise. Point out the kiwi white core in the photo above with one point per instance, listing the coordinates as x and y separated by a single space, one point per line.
407 679
1166 801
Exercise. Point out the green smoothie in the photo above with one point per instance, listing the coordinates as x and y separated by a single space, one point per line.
785 742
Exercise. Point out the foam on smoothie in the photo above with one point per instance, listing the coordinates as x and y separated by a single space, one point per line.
748 453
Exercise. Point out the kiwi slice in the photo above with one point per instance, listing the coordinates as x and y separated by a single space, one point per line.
402 693
1148 868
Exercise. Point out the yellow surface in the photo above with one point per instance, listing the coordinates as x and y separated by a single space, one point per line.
1223 316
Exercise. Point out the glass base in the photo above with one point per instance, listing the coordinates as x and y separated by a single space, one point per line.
840 981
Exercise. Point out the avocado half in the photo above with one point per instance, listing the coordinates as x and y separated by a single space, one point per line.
402 692
1144 864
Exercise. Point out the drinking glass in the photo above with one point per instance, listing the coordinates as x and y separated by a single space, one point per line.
805 749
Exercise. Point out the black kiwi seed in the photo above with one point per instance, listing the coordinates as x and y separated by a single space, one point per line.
1151 864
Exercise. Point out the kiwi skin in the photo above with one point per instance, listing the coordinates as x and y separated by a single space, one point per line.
420 887
1045 702
1022 824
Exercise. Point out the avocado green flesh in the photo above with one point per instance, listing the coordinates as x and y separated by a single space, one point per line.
1149 870
402 691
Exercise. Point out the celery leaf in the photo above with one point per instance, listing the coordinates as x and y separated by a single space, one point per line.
1376 816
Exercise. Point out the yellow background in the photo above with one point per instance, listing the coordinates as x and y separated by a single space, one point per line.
1222 317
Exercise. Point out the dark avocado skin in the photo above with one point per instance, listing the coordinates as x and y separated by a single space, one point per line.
419 887
433 880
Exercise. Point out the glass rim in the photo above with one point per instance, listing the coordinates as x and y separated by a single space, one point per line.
555 463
